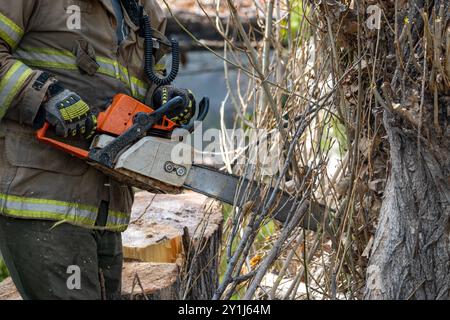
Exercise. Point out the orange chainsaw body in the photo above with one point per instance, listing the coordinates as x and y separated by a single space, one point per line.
114 121
118 118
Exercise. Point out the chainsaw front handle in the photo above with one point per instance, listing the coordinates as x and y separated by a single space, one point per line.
202 113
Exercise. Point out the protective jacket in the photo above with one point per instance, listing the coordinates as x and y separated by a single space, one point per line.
76 41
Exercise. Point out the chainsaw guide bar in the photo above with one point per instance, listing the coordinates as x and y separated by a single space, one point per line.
148 165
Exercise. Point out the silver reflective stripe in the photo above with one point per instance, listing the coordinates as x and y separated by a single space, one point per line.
113 69
50 209
31 208
46 209
46 58
117 221
9 31
123 75
108 68
11 83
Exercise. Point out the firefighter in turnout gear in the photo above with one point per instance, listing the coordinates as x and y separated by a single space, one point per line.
61 62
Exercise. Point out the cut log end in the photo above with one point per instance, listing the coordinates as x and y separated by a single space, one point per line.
150 281
158 222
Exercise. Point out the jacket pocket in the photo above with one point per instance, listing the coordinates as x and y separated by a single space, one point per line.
23 150
85 57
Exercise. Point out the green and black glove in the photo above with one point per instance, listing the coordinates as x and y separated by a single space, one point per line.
181 115
68 113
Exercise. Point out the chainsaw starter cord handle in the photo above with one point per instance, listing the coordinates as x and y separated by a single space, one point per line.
149 65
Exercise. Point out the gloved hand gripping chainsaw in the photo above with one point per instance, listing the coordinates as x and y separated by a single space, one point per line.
67 112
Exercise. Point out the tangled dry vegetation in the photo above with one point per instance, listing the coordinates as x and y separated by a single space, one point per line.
330 86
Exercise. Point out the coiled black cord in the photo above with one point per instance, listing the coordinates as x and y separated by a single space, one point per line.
149 66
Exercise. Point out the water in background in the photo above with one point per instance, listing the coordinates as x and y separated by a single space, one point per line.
204 75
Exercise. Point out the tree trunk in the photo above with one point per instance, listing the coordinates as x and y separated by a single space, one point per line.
150 281
411 252
400 69
183 229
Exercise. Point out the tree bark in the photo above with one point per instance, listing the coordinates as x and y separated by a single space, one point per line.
406 83
411 252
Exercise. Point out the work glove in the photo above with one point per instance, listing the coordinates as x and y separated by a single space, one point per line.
68 113
182 114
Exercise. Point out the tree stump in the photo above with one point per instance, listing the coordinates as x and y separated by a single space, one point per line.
184 230
170 249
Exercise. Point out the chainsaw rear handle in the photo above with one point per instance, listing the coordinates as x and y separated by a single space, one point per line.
119 116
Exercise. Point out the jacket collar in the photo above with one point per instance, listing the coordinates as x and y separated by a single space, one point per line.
108 5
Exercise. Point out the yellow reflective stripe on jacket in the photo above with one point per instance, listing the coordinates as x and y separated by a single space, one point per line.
114 69
55 59
117 220
11 84
138 88
46 58
32 208
10 32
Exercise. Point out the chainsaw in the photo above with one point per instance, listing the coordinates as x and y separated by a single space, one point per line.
133 145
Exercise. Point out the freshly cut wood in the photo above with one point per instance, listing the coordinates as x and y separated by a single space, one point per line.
150 281
184 229
153 242
158 221
170 249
